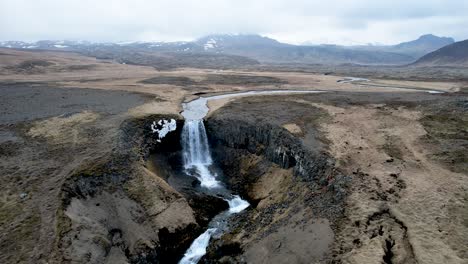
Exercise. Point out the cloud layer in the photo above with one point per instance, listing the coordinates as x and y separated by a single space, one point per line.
293 21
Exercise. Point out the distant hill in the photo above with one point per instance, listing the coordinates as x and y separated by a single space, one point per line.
455 54
416 48
244 50
268 50
160 55
422 45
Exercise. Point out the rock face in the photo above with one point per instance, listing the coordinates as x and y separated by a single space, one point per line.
275 143
291 187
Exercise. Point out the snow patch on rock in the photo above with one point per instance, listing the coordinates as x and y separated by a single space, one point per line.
163 127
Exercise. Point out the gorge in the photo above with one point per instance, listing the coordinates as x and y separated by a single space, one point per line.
198 163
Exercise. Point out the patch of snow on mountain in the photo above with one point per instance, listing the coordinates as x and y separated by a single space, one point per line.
60 46
124 43
210 44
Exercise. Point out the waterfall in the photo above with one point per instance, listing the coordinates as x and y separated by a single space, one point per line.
216 228
196 153
237 204
198 162
195 144
198 248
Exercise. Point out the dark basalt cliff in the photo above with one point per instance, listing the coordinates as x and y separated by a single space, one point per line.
275 143
233 140
280 176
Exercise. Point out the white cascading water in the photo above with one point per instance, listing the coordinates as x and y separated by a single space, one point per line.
198 162
197 159
237 205
198 248
197 154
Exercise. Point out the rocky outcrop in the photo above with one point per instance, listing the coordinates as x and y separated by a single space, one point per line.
276 145
284 180
137 136
116 210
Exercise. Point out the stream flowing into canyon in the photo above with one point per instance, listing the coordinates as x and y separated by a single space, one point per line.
198 163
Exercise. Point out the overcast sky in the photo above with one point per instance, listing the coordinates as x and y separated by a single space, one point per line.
292 21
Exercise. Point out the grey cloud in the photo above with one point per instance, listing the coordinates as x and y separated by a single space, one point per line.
289 20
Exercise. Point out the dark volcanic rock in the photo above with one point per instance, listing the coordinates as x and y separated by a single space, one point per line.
274 142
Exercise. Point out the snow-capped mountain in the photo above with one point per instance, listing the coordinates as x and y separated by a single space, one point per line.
256 47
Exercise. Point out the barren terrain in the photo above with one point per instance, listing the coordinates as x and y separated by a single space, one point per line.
391 187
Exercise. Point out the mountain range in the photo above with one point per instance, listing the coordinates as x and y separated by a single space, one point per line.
253 48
